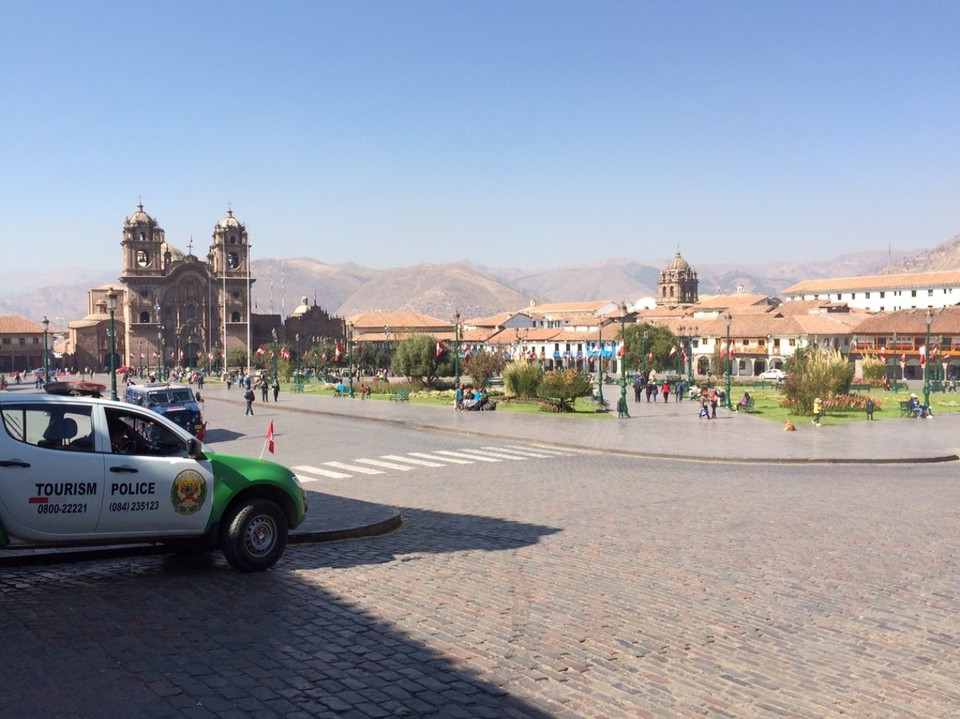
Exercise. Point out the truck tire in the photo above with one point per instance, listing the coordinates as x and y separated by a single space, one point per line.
254 535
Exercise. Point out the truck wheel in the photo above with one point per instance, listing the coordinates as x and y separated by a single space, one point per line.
255 535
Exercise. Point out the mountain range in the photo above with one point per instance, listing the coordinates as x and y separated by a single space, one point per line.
438 290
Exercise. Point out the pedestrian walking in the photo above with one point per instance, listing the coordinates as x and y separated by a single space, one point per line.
637 387
665 391
264 387
248 397
276 388
714 400
868 407
818 410
458 398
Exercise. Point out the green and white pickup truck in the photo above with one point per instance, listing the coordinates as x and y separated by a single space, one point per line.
80 471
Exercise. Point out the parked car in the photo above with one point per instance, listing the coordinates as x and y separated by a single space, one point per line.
773 375
177 402
81 471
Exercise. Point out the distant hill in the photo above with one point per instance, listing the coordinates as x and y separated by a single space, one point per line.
439 290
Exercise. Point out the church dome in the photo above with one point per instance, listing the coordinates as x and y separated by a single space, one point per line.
302 308
176 254
140 217
229 222
678 264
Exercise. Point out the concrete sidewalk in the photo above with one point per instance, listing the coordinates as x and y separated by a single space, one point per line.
671 431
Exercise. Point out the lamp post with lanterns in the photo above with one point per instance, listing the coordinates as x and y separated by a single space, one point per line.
928 318
298 372
156 309
456 350
350 354
726 400
622 406
600 363
112 308
46 361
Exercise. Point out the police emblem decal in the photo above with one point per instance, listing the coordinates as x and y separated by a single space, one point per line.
189 492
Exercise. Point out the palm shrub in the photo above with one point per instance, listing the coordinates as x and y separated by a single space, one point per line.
522 378
815 372
874 370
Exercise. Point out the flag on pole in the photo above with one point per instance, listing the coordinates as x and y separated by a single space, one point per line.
673 350
259 351
933 353
285 353
620 349
439 349
268 444
923 355
336 352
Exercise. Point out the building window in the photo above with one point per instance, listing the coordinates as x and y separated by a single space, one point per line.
233 260
143 258
882 294
913 293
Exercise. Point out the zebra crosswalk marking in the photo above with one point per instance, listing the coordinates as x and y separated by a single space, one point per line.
462 452
322 472
545 450
411 460
386 465
523 453
486 452
453 460
354 468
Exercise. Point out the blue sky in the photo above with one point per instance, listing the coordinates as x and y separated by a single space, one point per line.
528 134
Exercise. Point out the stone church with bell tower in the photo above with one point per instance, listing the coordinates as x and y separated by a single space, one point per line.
191 309
172 308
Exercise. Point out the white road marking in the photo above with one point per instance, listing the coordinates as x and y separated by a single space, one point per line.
460 453
522 452
354 468
322 472
454 460
411 460
385 465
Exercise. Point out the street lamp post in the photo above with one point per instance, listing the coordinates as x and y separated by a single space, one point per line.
622 406
156 309
680 352
600 363
297 374
46 361
926 370
726 400
350 354
456 350
273 332
112 307
692 331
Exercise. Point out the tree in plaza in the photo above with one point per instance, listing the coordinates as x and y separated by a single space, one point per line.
648 345
237 357
416 358
561 387
815 372
482 366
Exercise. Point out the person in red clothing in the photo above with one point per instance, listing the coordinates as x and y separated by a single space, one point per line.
665 390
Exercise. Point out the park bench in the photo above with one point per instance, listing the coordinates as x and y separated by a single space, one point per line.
748 407
401 395
905 410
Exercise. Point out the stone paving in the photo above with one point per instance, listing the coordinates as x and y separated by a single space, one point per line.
604 584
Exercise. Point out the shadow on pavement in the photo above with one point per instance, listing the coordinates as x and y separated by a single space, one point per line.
169 637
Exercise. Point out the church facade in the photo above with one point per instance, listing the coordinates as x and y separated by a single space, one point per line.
175 309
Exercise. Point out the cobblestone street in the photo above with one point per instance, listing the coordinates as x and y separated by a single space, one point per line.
596 586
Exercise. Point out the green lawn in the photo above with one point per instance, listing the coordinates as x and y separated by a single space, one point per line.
766 404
